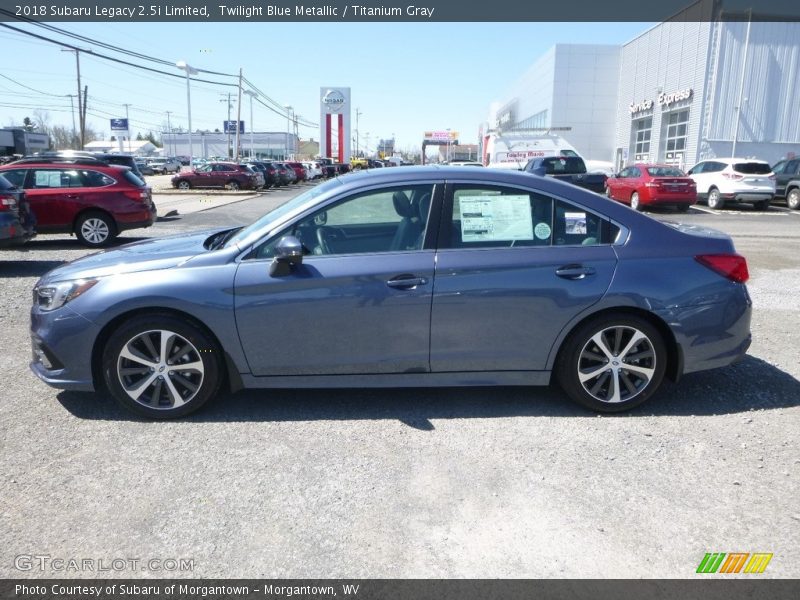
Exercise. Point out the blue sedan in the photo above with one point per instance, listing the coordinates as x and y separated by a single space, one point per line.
430 276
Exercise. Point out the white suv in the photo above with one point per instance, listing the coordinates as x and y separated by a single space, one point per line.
739 179
164 165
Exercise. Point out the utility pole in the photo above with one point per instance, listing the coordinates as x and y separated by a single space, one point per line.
74 134
81 110
288 125
228 127
358 113
128 125
169 127
252 95
238 114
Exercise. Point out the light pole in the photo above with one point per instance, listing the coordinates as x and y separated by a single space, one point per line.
81 109
189 71
228 122
252 95
169 127
288 125
358 113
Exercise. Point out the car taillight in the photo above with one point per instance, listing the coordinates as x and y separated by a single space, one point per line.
138 195
7 202
730 266
734 176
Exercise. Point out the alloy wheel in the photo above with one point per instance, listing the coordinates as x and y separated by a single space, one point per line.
616 364
160 369
95 230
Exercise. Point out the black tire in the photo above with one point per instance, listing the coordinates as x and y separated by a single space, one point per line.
683 207
184 184
793 199
233 186
95 229
581 354
715 199
159 399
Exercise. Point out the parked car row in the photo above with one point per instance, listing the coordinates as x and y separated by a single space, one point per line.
81 195
715 181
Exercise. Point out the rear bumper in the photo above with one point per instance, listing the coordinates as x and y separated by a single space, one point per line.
713 335
748 196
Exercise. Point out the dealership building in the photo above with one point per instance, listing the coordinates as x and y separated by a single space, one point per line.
685 90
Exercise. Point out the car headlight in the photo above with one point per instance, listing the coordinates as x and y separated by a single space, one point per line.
55 295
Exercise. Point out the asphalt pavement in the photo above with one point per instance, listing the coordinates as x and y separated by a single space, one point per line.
450 483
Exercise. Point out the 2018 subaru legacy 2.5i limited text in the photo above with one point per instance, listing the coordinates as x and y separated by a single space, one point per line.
429 276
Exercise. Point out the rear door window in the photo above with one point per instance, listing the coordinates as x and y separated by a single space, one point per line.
56 178
16 176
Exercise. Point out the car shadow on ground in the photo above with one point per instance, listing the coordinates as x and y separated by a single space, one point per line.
752 384
27 268
71 243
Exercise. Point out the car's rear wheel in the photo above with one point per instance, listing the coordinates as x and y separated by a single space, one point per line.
184 185
232 186
612 363
683 207
715 199
635 203
95 229
793 199
161 366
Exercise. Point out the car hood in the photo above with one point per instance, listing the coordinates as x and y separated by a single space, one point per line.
147 255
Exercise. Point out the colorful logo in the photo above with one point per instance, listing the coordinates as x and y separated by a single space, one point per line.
734 562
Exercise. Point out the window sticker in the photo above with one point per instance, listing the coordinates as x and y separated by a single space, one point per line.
542 231
48 179
575 222
495 218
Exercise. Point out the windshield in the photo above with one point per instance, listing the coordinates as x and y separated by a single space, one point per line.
284 209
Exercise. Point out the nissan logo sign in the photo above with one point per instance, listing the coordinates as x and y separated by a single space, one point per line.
334 100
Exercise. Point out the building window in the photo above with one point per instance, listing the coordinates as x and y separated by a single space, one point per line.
642 129
537 121
677 123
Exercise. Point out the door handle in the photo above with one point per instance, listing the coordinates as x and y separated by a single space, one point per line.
405 282
575 271
73 196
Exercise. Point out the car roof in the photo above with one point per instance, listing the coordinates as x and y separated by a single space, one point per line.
734 160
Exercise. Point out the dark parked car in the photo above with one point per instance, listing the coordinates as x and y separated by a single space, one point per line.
288 174
787 182
642 185
17 223
86 197
228 175
143 167
264 169
421 276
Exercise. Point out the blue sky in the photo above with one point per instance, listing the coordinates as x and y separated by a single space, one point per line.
405 78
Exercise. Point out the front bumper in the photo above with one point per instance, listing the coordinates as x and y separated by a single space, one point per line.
62 343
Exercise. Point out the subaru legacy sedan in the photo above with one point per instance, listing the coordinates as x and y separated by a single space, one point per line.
424 276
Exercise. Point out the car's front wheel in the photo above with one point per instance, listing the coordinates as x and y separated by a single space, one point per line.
612 363
95 229
161 366
184 185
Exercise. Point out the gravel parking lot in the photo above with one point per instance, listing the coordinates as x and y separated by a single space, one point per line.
457 483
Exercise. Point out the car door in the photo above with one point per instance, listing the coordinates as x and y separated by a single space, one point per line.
615 184
55 196
700 176
360 301
785 171
514 267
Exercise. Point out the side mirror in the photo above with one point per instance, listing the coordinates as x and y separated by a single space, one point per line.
288 254
689 172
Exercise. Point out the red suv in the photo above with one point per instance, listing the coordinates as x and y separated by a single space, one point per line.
228 175
83 196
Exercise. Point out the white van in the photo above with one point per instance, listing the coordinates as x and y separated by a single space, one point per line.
514 150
